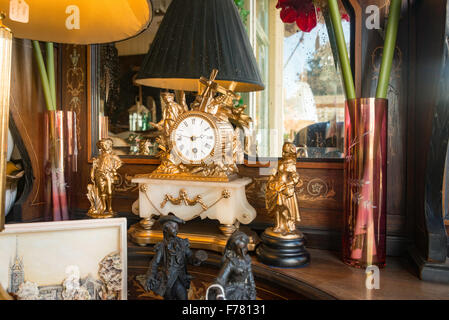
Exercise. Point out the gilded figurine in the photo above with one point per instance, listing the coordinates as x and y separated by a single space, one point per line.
104 177
171 112
281 200
283 245
236 276
167 273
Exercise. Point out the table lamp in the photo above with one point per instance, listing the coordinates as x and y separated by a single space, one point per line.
196 37
63 21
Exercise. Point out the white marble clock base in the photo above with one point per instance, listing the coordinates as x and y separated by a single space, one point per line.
223 201
227 209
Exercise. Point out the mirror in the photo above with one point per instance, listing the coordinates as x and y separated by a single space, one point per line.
303 101
121 110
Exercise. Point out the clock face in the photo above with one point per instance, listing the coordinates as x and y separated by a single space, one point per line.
194 138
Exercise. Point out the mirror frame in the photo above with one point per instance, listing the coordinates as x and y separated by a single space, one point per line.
93 109
250 161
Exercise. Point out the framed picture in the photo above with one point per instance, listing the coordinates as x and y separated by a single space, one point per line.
66 260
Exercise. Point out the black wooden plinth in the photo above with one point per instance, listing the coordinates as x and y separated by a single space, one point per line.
284 253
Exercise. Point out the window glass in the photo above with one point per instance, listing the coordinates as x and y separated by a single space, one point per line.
303 100
313 93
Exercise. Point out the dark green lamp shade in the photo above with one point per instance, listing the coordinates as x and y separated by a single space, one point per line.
195 37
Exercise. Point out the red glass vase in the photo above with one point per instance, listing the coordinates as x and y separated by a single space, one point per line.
365 188
60 159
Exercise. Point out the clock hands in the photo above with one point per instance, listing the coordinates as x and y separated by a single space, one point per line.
192 138
183 136
194 142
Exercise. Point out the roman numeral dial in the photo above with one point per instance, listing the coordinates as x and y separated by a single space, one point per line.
194 138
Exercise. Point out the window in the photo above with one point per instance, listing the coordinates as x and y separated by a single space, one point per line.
303 100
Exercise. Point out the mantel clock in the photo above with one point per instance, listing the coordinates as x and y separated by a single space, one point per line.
200 143
200 147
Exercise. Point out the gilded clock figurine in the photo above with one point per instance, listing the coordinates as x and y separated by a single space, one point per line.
199 147
199 143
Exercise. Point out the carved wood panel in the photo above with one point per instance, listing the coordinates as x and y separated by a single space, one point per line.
320 196
74 98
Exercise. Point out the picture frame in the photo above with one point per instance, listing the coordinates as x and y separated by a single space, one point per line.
65 260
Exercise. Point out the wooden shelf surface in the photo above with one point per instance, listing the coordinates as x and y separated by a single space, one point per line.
327 277
398 281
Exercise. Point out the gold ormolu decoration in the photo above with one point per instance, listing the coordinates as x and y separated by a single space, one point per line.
184 199
103 176
281 199
215 105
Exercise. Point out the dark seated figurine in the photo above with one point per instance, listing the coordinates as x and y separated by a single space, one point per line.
236 276
167 274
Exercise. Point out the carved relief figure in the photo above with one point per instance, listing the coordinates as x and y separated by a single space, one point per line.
103 176
281 200
110 272
72 290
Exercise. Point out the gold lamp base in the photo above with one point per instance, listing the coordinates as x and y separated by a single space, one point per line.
202 235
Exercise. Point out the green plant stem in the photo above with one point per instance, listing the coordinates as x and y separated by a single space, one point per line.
51 71
43 74
342 51
331 35
389 47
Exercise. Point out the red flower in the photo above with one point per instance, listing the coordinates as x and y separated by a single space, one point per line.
288 15
306 21
301 11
